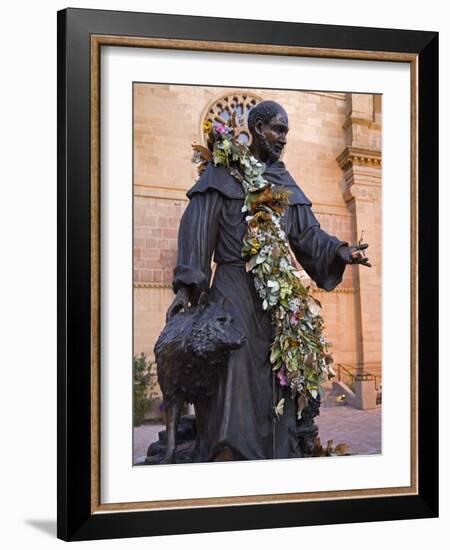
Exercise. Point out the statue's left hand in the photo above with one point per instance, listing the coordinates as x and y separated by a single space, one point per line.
181 301
354 254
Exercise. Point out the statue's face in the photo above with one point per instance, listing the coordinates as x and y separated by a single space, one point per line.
272 137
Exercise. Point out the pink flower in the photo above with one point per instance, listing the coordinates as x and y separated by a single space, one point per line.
281 375
219 128
294 319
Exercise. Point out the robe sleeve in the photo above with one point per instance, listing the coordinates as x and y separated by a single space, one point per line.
196 241
314 248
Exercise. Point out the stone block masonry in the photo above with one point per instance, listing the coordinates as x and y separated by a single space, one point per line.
333 153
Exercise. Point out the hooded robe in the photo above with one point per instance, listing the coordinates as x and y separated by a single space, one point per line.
240 416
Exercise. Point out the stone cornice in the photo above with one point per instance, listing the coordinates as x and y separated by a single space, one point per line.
359 156
153 285
335 291
313 290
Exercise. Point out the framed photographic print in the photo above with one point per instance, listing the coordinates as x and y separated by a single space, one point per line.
247 256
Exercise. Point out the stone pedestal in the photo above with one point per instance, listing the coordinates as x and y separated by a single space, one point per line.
365 393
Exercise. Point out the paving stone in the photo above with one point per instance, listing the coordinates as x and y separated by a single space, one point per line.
359 429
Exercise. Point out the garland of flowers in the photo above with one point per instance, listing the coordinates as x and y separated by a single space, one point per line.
299 351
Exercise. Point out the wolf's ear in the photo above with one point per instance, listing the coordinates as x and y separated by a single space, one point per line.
224 302
203 301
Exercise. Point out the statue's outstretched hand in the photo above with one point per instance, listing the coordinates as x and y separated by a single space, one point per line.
354 254
181 301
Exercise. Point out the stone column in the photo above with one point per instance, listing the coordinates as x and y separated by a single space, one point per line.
361 186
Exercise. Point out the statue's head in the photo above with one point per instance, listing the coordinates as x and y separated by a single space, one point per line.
268 124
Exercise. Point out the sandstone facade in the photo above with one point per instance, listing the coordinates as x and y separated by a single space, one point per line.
333 153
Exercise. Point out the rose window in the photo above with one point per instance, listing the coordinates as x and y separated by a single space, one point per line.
222 111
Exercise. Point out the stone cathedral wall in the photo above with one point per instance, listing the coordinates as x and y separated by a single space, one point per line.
327 133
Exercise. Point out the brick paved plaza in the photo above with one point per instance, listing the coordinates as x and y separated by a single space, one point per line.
359 429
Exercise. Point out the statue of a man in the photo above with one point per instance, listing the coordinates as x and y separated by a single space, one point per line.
239 421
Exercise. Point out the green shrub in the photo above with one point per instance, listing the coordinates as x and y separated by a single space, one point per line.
141 381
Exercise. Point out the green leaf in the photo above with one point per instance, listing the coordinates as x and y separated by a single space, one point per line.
251 263
279 408
276 352
273 285
302 403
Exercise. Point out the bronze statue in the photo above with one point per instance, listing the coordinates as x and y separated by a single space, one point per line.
238 422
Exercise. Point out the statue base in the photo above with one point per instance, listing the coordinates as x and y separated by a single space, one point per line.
307 432
186 435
